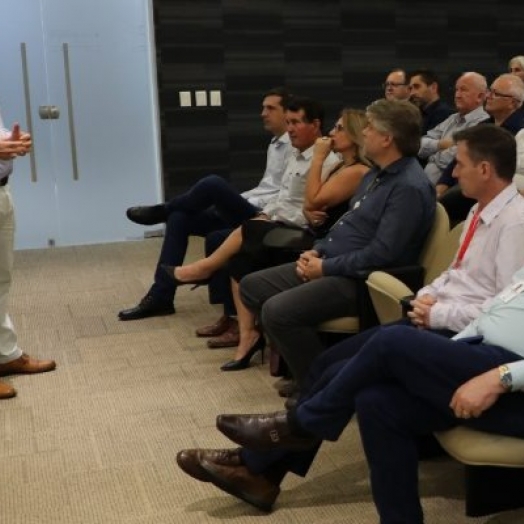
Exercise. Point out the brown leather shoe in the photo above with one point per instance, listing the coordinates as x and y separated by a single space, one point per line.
241 483
288 389
230 338
189 460
263 432
218 328
7 391
26 364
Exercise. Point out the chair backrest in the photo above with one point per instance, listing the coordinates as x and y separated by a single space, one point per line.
434 240
444 253
385 290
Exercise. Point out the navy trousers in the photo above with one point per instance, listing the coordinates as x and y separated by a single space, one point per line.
212 204
400 383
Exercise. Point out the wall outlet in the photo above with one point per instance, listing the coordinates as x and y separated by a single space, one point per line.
215 98
185 98
201 98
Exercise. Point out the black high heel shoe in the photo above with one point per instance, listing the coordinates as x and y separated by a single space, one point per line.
170 270
243 363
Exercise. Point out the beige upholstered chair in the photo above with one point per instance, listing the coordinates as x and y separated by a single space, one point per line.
494 468
386 290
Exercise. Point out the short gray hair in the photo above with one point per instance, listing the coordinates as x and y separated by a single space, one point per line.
400 119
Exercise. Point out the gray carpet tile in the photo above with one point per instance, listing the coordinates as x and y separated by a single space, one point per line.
95 441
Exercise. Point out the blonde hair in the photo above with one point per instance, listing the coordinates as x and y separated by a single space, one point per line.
354 121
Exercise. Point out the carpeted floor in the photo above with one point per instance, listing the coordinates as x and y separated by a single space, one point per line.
95 441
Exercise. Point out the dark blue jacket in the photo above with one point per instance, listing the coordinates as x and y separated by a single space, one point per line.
386 224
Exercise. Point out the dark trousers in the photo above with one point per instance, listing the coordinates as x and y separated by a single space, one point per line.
290 310
220 284
210 205
400 384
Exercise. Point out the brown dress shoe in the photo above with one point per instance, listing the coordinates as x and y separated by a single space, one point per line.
218 328
288 389
241 483
7 391
230 338
263 432
26 364
189 460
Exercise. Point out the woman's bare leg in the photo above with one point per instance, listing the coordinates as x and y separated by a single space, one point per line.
205 267
249 334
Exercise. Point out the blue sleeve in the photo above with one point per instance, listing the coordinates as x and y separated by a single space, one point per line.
406 211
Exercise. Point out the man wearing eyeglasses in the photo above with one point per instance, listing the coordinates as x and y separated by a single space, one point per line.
396 86
504 104
437 148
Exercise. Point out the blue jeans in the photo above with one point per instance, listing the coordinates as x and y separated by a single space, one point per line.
210 205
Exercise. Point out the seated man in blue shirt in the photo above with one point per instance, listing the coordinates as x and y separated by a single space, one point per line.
212 204
386 225
403 383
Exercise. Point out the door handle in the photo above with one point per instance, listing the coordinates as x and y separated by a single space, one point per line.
71 119
29 118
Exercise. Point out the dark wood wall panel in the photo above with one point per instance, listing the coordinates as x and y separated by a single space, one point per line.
334 50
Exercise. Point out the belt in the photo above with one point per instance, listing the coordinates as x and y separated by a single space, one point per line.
4 181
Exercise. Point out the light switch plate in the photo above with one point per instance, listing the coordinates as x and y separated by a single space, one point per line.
185 98
200 98
215 98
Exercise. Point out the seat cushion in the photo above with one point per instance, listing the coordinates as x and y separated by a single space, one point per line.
482 449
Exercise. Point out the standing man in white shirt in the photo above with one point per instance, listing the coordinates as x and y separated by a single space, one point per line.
212 204
12 361
437 147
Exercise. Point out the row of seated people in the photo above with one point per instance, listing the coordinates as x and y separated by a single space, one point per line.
402 382
388 217
458 360
469 89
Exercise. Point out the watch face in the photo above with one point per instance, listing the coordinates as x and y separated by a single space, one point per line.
505 377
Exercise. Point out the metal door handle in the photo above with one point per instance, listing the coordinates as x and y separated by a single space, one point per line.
69 93
29 118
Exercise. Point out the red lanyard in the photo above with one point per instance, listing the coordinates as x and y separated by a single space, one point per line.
467 239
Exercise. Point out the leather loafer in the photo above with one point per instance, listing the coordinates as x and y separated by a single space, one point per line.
241 483
223 324
228 339
26 365
147 215
7 391
148 307
189 460
263 432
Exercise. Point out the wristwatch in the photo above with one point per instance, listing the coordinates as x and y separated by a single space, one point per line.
505 377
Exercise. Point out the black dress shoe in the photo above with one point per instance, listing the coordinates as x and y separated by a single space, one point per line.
147 215
241 483
263 432
189 460
148 307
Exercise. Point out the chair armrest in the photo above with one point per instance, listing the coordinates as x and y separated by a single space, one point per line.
411 276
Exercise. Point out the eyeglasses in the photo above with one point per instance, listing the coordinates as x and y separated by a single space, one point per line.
393 84
497 94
